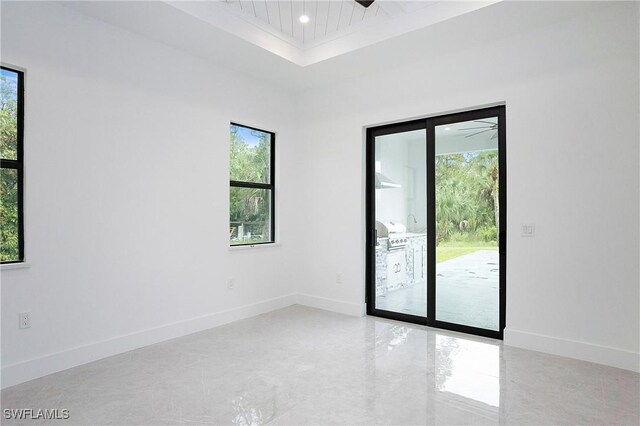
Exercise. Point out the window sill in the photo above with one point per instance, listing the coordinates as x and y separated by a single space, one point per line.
17 265
253 247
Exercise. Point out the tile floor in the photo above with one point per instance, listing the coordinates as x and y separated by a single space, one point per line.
299 366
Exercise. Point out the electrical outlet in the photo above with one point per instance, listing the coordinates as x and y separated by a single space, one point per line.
338 278
231 284
528 229
24 320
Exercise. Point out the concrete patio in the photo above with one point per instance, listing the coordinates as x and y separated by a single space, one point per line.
467 292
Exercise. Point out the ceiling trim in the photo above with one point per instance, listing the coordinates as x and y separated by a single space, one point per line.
255 32
392 27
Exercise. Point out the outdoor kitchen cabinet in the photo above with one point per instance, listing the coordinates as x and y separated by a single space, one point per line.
401 266
396 268
418 260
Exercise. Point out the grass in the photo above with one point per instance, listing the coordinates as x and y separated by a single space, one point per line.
447 250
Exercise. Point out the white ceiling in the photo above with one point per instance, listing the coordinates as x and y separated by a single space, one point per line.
335 27
327 19
467 136
182 30
455 138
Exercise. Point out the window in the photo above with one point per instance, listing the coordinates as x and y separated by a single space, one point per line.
11 161
251 195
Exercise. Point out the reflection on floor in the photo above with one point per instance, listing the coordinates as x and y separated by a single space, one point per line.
299 366
466 292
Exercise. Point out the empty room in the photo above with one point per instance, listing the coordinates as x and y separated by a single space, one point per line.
320 212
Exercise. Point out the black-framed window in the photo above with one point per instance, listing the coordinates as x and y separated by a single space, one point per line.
252 186
11 165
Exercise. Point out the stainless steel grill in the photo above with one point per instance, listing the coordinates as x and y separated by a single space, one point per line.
397 241
396 232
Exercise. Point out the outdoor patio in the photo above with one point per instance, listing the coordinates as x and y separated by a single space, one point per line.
467 292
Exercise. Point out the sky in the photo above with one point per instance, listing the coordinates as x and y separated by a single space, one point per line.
10 78
249 136
8 73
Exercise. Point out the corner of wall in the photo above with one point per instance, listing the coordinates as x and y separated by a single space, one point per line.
333 305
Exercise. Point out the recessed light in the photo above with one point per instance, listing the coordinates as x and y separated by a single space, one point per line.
304 19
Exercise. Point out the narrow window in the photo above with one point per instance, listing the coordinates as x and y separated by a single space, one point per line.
11 162
252 191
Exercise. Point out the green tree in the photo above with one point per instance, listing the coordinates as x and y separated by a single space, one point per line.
486 172
9 249
250 162
467 194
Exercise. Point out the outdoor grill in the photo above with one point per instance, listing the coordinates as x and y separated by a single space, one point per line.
395 232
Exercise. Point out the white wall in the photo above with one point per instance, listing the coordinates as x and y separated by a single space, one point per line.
126 196
571 94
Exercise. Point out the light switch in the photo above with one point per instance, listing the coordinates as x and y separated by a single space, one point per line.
528 230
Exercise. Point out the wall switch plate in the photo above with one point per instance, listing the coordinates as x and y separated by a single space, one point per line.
528 230
231 284
338 278
24 320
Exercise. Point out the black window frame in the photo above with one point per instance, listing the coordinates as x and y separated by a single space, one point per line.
18 163
429 124
271 186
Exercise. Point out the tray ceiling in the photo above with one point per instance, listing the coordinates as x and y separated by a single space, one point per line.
400 41
335 27
327 19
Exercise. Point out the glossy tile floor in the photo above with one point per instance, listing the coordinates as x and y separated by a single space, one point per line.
300 366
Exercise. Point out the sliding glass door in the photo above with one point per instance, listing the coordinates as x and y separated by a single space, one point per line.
400 220
435 216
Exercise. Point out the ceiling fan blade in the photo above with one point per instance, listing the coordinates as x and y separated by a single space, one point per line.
477 133
365 3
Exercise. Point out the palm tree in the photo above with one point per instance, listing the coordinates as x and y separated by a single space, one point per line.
466 192
486 177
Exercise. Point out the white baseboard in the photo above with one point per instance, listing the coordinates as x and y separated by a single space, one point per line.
20 372
17 373
333 305
573 349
